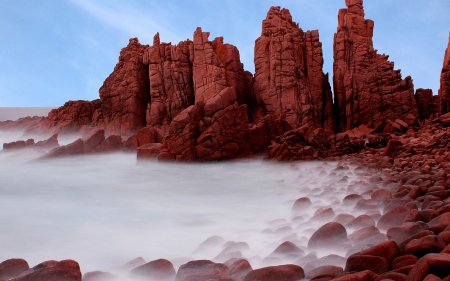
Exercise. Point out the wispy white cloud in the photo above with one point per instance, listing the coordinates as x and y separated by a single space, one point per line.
124 17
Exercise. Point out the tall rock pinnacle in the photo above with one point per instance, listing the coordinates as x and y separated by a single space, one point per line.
288 73
367 89
444 91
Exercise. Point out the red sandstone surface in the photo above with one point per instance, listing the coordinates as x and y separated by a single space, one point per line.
195 102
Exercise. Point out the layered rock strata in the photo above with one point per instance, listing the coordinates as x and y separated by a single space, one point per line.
444 91
289 80
367 89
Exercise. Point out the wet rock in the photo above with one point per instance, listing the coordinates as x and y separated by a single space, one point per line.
329 260
239 268
329 235
12 267
20 144
381 194
132 264
148 151
388 250
50 143
288 272
437 264
394 276
363 234
287 249
301 204
438 224
361 222
403 261
428 244
326 271
446 236
400 233
160 269
66 270
344 219
99 276
365 275
351 199
202 270
212 241
323 214
393 217
358 262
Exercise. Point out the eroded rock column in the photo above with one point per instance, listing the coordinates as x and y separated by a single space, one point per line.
289 80
367 89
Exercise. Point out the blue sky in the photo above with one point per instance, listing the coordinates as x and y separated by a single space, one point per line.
55 51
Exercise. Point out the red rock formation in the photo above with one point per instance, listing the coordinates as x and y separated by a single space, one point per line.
124 94
95 142
444 91
72 117
18 144
217 130
12 267
192 71
160 269
287 272
367 89
428 105
27 124
289 80
170 75
202 270
67 270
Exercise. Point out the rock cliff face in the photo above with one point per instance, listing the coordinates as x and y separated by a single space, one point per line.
367 89
72 117
427 104
124 94
170 75
444 91
289 80
192 72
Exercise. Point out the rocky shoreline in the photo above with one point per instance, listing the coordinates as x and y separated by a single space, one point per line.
194 102
403 232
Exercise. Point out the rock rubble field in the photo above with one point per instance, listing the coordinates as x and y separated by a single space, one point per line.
373 205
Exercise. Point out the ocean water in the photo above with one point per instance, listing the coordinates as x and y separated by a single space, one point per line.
104 210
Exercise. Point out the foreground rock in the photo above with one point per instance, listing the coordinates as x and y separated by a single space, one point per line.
48 144
66 270
161 269
12 267
287 272
202 270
